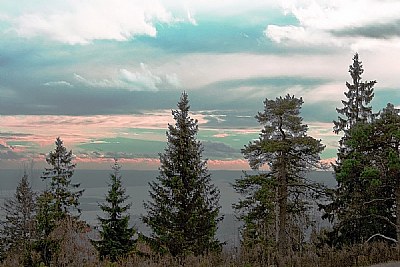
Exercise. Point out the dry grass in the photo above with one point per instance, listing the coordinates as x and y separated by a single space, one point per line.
76 250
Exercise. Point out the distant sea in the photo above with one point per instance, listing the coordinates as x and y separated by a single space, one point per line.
95 183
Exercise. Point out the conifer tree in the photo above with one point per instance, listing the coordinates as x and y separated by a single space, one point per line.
367 200
116 235
355 108
18 224
351 168
58 202
184 210
66 194
286 149
47 217
256 209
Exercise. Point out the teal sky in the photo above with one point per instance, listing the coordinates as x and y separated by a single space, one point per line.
104 75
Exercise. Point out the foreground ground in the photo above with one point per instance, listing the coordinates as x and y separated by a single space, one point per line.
389 264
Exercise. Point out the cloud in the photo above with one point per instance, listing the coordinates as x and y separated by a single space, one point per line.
333 22
224 8
142 80
221 135
219 150
238 164
58 83
173 80
375 31
82 22
145 78
190 18
81 129
299 35
7 153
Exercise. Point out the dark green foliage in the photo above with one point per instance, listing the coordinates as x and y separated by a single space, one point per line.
256 209
65 193
46 221
56 203
283 133
359 95
368 177
116 235
363 204
184 210
18 224
356 107
272 197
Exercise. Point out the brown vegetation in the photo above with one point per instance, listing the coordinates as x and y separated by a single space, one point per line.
76 250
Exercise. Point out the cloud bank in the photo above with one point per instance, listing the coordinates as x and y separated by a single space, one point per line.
141 80
337 23
82 22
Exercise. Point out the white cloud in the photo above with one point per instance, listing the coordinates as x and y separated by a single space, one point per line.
173 80
104 83
88 20
330 92
195 70
141 80
221 7
190 18
58 83
299 34
144 78
319 19
339 14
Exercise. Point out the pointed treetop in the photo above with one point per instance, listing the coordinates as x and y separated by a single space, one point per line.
359 95
116 167
183 106
356 69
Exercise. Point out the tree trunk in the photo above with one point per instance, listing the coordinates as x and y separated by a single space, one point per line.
282 204
397 193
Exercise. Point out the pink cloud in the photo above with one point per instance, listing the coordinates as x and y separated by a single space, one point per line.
40 132
128 164
153 163
221 135
78 129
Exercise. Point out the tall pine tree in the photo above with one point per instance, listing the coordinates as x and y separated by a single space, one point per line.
184 211
18 224
65 193
116 235
289 153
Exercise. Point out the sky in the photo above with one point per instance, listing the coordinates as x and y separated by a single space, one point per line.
104 75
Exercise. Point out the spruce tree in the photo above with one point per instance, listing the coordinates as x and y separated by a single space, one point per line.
367 200
116 235
66 194
46 220
58 202
184 210
356 106
354 220
289 153
18 224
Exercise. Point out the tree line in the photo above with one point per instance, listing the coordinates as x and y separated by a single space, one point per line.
184 211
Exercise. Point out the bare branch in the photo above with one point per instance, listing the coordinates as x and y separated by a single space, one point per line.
378 199
383 236
385 219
